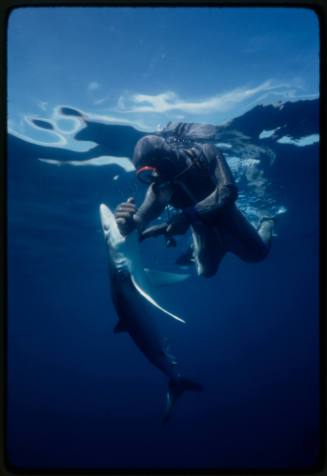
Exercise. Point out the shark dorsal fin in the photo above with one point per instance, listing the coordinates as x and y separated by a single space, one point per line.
120 327
163 278
153 302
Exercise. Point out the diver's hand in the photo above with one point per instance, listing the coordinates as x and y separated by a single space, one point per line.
124 216
178 224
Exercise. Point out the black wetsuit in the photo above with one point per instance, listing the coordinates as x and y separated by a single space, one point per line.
202 183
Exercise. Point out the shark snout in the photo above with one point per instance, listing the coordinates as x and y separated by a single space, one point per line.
106 217
109 226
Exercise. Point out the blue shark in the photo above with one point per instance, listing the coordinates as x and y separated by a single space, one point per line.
131 290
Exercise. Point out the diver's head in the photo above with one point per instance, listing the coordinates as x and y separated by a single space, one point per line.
155 160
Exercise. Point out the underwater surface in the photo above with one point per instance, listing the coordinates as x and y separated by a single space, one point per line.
80 396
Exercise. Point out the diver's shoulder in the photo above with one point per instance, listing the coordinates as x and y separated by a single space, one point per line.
210 150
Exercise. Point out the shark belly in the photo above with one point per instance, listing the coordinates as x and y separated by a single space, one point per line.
138 319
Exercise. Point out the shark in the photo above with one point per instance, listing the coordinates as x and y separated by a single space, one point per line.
131 288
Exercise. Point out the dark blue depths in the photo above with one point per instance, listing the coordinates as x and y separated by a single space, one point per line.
80 396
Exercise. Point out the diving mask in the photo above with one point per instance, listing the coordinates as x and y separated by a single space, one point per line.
147 174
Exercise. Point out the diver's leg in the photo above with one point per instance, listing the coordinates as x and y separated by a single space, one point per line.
244 240
207 249
265 230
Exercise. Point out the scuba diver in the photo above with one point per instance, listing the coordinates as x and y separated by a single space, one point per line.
197 181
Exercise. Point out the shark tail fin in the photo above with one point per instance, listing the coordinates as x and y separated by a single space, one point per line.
175 389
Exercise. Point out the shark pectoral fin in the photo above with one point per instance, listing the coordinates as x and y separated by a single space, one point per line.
120 327
162 278
153 302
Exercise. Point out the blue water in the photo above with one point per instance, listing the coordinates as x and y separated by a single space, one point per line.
80 396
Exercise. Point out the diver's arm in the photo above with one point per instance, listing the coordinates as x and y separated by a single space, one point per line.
154 203
225 192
